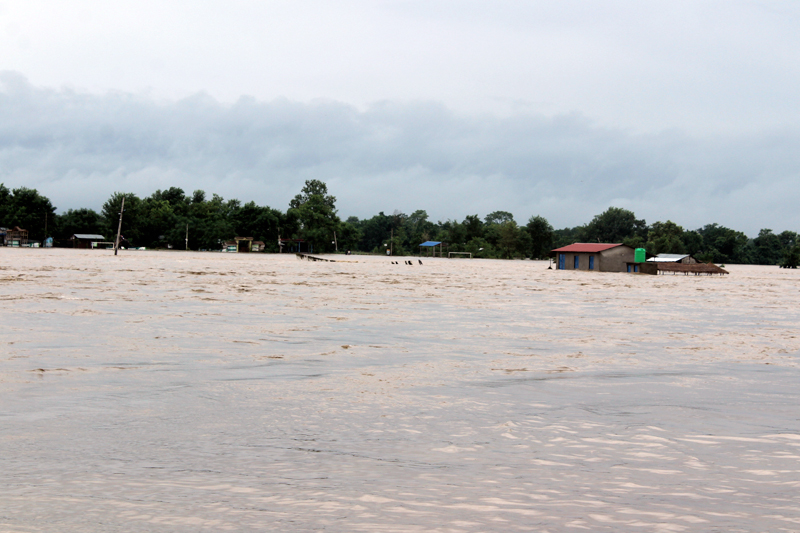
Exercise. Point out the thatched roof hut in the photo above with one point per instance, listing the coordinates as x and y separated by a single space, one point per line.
707 269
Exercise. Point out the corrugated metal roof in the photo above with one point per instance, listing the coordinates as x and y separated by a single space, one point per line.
668 258
89 236
431 243
587 247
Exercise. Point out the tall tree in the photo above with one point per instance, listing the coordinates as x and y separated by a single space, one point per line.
26 208
375 232
261 223
315 209
541 233
498 217
665 238
692 242
507 243
788 239
615 225
473 227
791 259
767 248
131 223
724 245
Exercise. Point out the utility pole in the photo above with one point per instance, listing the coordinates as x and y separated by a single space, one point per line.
335 242
119 228
391 244
187 236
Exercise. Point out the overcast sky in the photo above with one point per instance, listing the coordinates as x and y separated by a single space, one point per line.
681 110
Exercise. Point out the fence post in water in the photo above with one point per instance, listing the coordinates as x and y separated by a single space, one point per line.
119 228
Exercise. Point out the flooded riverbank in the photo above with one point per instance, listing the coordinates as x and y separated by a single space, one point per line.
166 391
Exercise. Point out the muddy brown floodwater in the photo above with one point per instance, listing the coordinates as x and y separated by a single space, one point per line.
164 392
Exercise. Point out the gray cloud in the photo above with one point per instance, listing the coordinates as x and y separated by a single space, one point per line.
78 148
711 66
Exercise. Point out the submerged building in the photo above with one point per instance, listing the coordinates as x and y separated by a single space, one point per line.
612 257
603 257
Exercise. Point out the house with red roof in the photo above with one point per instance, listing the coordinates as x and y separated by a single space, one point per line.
602 257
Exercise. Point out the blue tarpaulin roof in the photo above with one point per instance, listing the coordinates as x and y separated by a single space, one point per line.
431 243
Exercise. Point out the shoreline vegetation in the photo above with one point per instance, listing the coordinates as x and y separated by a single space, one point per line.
161 221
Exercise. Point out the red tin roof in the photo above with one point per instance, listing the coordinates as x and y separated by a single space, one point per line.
586 247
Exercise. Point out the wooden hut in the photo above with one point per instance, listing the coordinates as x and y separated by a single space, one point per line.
698 269
16 237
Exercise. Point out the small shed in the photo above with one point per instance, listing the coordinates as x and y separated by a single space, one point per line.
86 240
431 247
258 246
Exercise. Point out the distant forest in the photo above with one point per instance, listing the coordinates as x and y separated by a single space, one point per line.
160 221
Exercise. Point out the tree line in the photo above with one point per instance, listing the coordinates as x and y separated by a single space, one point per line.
161 221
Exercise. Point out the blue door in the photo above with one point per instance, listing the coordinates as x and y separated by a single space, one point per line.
575 266
591 262
562 261
629 268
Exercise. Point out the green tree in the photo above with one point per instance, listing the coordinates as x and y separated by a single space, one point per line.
665 238
615 225
723 245
375 232
492 230
788 239
26 208
5 205
210 224
791 258
767 248
74 221
692 242
473 227
198 196
480 247
157 219
498 217
567 236
508 241
350 236
454 234
418 229
262 223
131 224
541 235
315 209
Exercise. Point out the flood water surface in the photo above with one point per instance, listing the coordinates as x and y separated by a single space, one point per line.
157 391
